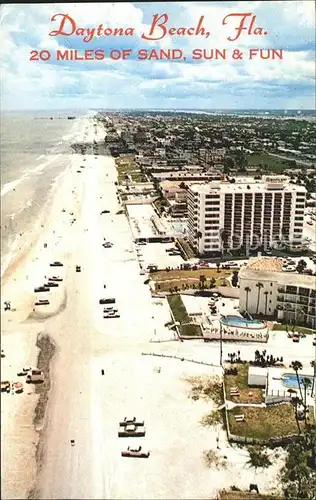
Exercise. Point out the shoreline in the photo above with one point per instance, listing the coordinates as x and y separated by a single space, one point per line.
26 441
46 176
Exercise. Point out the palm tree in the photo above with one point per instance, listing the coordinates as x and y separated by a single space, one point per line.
259 286
266 302
247 290
306 384
295 402
258 458
313 365
297 365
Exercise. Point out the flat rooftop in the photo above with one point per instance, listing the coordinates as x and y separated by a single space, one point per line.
262 273
240 186
265 264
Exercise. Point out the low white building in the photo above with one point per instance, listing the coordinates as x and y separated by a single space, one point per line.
257 376
267 290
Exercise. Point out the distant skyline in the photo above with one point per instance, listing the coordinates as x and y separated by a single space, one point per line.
209 85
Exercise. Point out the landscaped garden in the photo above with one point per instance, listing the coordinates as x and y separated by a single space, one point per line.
176 280
246 394
126 166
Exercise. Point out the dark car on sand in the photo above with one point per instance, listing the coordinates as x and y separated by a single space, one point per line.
44 288
107 301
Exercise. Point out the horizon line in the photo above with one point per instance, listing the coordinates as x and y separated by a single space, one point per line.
159 109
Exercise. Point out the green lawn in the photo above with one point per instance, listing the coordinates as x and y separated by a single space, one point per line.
180 314
265 423
267 162
300 329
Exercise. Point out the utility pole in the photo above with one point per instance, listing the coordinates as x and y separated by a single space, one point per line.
221 344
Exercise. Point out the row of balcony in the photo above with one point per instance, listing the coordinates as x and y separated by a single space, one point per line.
293 290
303 301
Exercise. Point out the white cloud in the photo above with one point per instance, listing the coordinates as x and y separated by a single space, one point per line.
23 28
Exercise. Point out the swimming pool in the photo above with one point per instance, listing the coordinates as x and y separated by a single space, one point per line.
289 380
239 322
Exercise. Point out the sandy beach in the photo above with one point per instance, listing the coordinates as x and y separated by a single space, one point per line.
85 405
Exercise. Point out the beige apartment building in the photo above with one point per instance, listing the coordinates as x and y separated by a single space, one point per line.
245 213
266 289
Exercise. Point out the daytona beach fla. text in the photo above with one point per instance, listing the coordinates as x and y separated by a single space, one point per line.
159 28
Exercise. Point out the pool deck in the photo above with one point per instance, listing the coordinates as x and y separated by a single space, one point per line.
198 306
276 387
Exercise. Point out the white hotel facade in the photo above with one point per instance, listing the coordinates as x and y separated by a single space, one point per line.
245 213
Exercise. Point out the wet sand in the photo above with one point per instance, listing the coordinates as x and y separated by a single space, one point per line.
21 414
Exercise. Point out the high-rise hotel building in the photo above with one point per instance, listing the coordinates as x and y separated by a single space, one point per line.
245 213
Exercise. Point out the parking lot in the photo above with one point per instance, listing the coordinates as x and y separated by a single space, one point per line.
155 253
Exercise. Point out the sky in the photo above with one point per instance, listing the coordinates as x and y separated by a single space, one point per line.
165 84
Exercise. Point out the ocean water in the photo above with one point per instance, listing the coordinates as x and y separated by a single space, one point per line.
35 150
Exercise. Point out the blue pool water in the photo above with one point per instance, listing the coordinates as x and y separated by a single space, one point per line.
240 322
289 380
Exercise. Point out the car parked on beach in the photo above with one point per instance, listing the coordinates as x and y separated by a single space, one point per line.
107 301
56 264
5 386
55 278
35 376
42 302
25 371
136 452
44 288
52 284
110 315
105 212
